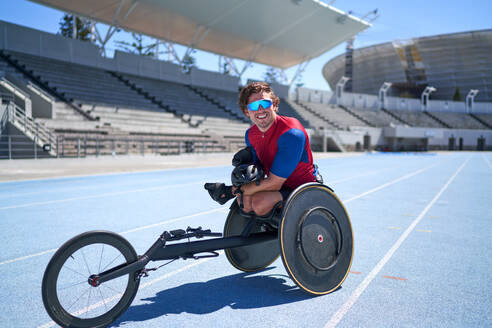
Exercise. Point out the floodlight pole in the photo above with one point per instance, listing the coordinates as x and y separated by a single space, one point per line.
424 98
382 94
339 88
470 99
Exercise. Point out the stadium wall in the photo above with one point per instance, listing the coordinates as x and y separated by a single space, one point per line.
34 42
449 62
371 102
437 138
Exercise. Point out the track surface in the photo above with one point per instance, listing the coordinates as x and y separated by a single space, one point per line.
422 228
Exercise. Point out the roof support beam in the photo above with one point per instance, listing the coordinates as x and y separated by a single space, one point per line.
115 24
200 32
300 69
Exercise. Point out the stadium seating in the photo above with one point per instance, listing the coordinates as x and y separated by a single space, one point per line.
415 118
83 84
376 117
177 96
337 114
316 120
456 120
225 98
486 118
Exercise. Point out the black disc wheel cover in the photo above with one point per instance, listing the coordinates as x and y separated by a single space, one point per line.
316 239
252 257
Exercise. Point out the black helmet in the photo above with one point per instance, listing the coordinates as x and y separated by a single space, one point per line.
246 173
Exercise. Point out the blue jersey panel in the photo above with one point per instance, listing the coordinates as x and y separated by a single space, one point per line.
290 150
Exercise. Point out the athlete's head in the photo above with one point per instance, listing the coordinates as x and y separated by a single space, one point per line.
258 102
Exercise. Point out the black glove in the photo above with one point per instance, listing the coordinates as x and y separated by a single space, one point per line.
219 192
244 156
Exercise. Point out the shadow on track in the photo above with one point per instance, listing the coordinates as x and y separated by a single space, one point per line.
239 291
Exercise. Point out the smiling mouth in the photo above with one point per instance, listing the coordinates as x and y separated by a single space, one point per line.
261 116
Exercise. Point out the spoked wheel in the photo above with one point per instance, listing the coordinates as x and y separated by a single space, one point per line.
68 297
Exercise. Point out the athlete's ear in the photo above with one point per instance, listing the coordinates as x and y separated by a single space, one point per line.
246 113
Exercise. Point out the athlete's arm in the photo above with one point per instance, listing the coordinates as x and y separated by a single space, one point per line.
271 183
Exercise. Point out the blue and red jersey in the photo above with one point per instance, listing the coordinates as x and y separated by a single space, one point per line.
283 150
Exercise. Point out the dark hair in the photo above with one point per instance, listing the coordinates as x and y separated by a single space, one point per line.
252 88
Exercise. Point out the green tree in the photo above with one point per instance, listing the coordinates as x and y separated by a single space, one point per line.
188 63
457 95
226 68
138 46
83 28
405 94
272 75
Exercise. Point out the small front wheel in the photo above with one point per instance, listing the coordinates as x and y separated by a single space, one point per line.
68 297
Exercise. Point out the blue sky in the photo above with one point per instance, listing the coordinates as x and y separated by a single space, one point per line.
397 20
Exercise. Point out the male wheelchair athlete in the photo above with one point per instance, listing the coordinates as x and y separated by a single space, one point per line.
93 278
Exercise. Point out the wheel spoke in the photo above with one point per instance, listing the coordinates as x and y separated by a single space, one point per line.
111 262
72 285
85 260
102 298
87 309
68 308
100 259
107 286
75 271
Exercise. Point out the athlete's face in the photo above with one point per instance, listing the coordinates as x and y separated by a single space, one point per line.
263 117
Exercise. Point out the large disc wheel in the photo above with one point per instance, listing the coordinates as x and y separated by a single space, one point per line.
252 257
68 297
316 239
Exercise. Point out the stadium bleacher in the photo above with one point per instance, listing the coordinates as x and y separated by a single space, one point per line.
457 120
82 84
166 115
415 118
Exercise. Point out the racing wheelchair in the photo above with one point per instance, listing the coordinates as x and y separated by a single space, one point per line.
310 231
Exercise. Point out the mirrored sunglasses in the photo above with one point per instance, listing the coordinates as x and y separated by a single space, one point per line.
255 105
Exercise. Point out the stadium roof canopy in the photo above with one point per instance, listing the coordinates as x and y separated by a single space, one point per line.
279 33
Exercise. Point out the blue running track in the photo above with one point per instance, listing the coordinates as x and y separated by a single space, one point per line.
422 229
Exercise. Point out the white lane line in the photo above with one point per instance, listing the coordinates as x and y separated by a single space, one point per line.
356 176
97 196
181 218
337 316
486 160
145 285
28 256
123 233
345 201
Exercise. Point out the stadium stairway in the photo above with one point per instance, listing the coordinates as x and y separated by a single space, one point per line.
317 116
215 102
37 79
396 117
482 119
435 118
357 116
155 100
286 109
337 115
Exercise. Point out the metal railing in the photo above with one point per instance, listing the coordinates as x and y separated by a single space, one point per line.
36 132
70 146
21 147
